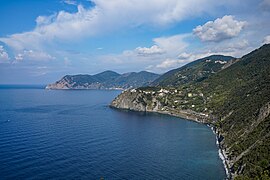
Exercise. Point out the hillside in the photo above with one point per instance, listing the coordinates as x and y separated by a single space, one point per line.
235 100
195 71
105 80
133 79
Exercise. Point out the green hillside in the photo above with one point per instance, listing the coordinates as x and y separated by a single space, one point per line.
195 71
240 97
105 80
235 99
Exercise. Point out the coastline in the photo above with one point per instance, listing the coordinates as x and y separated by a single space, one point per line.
191 117
83 88
222 154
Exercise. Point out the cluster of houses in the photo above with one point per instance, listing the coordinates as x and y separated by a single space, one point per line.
217 61
180 99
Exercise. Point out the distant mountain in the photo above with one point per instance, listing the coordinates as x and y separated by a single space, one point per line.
133 79
195 71
106 76
234 100
105 80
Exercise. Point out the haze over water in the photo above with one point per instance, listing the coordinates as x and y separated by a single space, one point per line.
75 135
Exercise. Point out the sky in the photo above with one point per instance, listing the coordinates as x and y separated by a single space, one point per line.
43 40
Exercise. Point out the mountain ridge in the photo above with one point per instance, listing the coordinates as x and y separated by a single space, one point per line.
196 70
104 80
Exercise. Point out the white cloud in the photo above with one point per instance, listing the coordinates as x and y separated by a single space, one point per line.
60 26
173 45
33 55
19 57
192 57
164 47
241 44
220 29
177 53
183 58
110 16
30 40
168 63
266 39
167 48
4 57
158 12
153 50
235 48
106 16
184 55
70 2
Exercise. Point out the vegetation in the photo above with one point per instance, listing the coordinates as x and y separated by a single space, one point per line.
240 95
234 97
105 80
193 72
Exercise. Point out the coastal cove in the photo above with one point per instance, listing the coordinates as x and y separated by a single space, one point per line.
234 101
71 134
189 116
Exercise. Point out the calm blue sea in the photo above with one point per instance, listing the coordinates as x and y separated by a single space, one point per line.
65 134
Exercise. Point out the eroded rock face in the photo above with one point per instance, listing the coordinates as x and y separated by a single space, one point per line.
130 100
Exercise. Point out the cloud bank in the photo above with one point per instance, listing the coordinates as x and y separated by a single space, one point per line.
106 16
33 55
153 50
220 29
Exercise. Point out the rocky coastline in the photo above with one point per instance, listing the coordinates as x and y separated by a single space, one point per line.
131 103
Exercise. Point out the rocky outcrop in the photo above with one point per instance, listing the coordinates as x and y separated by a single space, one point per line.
134 101
155 101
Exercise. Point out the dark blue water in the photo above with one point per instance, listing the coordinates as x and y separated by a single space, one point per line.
48 134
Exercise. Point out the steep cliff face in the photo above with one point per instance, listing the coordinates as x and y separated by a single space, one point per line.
130 100
235 100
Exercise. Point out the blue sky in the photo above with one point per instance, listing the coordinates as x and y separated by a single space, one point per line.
43 40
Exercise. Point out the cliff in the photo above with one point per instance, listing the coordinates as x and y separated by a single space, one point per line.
157 100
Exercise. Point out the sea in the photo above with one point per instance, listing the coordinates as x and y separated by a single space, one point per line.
74 134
